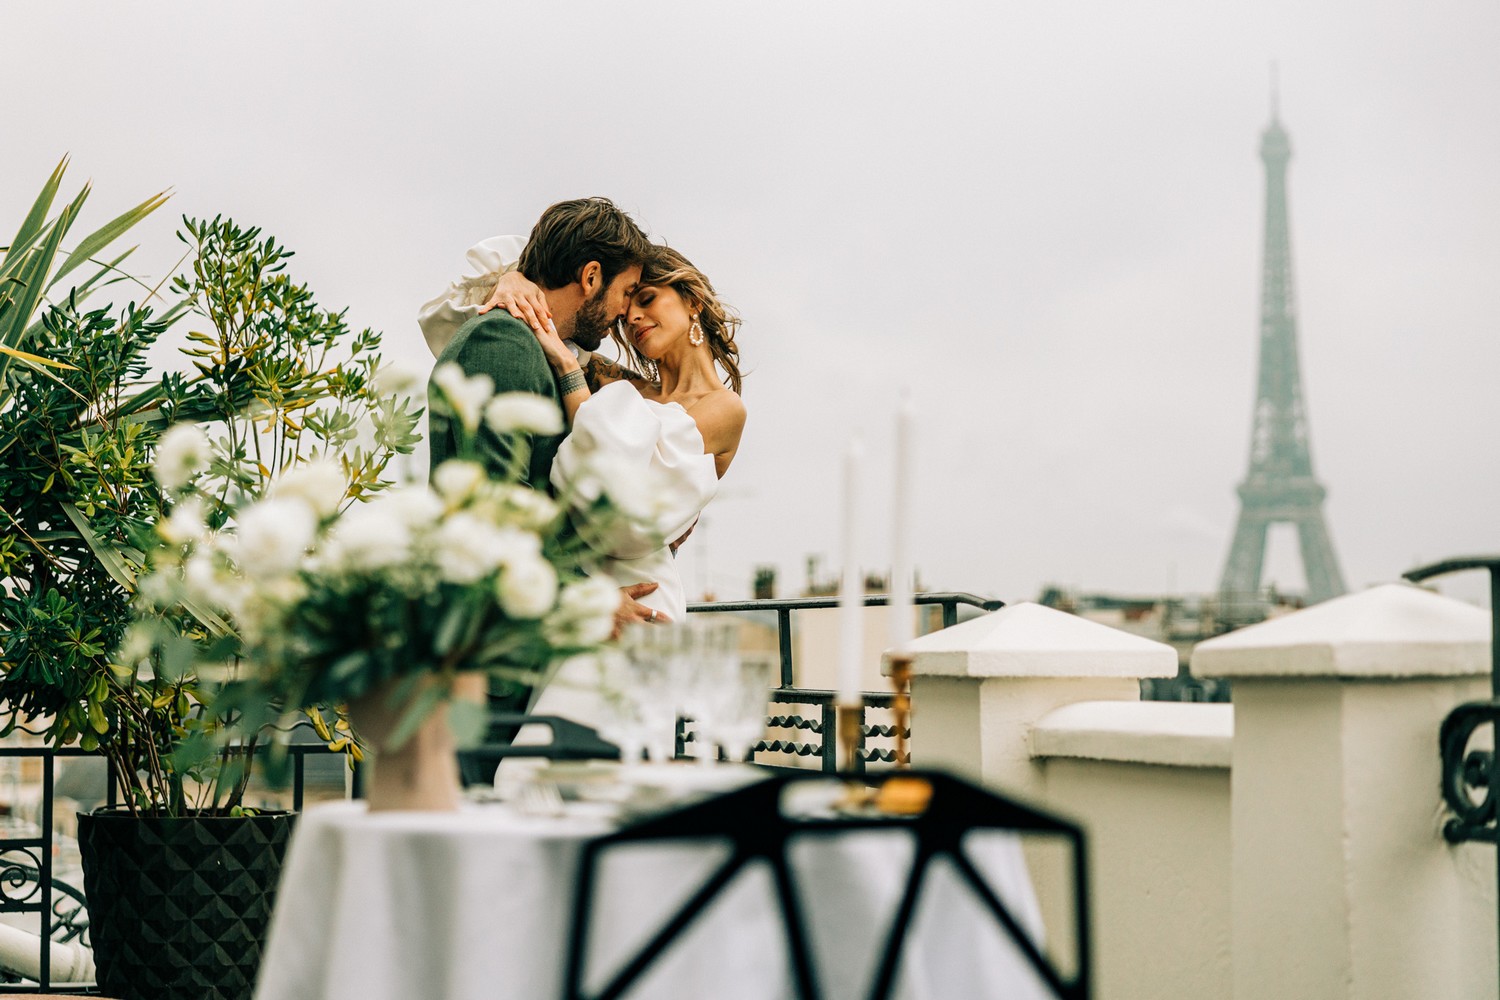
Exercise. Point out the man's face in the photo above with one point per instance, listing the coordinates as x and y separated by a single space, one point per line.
599 313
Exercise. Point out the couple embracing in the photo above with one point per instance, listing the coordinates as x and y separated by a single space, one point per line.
532 319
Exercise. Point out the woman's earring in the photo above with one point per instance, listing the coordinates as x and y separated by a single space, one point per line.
695 333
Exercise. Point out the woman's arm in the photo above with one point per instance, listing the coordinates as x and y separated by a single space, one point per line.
572 385
720 417
523 299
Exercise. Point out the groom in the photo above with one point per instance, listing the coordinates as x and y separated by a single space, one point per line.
586 256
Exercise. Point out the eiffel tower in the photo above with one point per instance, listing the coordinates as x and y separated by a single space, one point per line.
1280 486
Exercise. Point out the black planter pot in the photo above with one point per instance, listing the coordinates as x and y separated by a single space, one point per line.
178 908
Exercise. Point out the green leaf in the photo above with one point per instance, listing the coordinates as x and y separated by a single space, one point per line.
34 359
469 721
109 232
415 715
178 655
34 220
114 564
207 617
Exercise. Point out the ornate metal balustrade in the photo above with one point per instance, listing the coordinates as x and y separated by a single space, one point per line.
809 722
1471 778
30 882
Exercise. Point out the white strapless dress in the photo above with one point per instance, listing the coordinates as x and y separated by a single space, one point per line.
653 451
656 452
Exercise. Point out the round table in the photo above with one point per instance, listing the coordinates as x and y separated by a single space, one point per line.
477 905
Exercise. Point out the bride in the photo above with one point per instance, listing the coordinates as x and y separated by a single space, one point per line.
668 414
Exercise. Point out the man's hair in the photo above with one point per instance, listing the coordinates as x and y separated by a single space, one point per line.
572 233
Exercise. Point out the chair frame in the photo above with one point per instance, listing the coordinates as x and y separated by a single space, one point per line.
752 822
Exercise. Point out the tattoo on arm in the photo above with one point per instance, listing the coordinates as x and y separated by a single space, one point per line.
600 372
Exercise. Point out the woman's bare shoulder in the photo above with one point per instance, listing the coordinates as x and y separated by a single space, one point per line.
720 416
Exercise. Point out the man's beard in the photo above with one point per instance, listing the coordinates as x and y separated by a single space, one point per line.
590 324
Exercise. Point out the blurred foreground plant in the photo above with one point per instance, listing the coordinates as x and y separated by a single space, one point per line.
87 474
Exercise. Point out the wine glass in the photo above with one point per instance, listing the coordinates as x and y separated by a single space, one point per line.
653 666
737 720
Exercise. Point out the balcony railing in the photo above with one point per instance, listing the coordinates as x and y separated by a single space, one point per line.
28 875
809 727
29 882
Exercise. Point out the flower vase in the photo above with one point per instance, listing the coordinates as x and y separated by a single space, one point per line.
422 773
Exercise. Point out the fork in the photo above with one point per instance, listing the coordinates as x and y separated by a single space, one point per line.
540 798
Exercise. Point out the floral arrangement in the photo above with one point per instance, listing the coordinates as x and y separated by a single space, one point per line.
329 601
271 379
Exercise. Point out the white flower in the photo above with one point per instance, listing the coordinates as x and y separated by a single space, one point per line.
456 480
271 536
527 588
185 524
181 454
319 483
394 380
417 507
523 412
466 394
621 481
470 548
137 645
204 582
524 507
369 536
585 612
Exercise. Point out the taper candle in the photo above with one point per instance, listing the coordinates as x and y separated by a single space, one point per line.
851 585
902 626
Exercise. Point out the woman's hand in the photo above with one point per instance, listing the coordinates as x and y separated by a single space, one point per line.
519 296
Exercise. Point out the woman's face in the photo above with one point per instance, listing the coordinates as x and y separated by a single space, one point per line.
657 318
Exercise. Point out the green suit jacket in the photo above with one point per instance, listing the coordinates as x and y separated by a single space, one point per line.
502 347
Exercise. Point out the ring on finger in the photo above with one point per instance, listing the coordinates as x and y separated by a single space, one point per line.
652 616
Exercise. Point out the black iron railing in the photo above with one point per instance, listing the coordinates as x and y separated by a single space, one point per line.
808 730
1471 778
29 881
28 876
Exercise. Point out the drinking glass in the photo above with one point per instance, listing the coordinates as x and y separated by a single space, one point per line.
621 721
712 655
654 663
737 719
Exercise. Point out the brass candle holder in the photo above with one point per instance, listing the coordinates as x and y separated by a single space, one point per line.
850 718
901 705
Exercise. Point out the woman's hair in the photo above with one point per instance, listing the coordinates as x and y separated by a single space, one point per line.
666 268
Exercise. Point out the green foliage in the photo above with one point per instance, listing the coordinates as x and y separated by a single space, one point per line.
276 380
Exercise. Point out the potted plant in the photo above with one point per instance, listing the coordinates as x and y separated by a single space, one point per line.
86 489
405 608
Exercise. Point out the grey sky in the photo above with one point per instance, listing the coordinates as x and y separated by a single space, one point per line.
1044 219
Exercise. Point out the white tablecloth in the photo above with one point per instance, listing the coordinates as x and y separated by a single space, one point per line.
476 905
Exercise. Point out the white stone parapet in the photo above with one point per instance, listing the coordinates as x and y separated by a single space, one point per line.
979 686
1393 631
1171 733
1341 884
1033 640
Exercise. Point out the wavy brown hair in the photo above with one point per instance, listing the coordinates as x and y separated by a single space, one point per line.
666 268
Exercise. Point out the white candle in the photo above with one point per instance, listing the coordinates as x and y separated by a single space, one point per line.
851 585
902 625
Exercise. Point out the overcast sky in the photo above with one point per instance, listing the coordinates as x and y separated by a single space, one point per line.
1042 219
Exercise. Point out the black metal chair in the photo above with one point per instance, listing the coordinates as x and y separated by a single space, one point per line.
753 822
67 924
570 741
